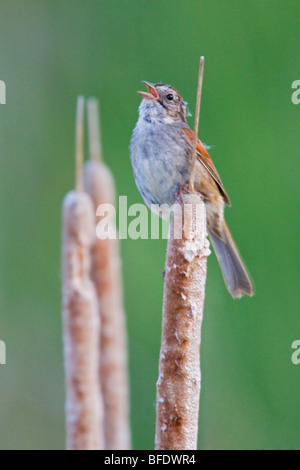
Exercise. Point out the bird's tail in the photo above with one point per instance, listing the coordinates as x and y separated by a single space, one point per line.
234 272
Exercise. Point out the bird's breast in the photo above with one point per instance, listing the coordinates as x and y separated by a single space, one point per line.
160 160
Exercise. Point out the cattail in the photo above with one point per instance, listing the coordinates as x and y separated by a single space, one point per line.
106 274
197 117
179 383
178 386
80 314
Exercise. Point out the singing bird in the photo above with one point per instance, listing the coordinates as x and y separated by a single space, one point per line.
161 157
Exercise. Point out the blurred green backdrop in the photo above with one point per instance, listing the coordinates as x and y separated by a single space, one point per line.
51 51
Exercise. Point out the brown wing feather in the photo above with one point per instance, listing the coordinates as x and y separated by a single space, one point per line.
204 158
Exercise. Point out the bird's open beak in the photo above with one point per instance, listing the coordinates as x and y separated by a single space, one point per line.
151 94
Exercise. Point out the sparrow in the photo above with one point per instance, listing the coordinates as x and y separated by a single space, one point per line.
161 157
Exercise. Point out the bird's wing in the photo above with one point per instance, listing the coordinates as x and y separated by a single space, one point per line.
206 161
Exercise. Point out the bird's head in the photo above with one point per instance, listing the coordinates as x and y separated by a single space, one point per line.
162 102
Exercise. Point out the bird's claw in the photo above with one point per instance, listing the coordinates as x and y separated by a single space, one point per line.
186 189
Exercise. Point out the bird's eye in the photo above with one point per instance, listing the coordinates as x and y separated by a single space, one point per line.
170 97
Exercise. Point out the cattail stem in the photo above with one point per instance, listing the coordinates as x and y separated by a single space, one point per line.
197 117
178 386
106 274
94 130
81 325
79 143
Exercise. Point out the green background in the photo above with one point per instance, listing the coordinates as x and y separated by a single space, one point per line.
51 51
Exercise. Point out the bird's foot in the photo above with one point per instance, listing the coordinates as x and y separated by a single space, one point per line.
186 189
